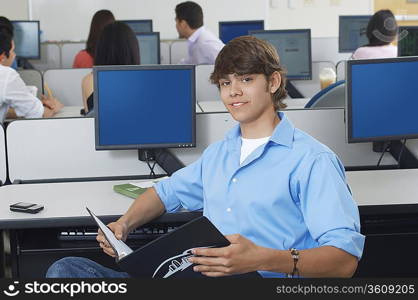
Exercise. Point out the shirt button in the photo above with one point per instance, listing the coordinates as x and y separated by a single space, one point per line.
228 209
234 180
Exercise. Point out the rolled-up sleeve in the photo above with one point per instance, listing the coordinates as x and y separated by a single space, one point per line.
329 211
183 189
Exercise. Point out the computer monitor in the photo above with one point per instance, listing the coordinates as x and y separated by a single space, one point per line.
294 48
232 29
352 32
139 25
382 101
149 47
408 41
144 107
27 39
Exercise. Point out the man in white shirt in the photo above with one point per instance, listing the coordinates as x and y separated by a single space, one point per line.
203 45
14 94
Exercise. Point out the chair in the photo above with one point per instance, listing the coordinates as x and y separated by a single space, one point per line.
331 96
33 77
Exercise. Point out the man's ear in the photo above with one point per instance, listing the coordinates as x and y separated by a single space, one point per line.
2 57
275 80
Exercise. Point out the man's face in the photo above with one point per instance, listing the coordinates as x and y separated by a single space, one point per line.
248 97
180 28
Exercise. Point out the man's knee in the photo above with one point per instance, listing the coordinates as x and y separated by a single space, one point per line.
66 267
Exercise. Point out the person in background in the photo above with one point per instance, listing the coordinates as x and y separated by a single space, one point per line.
117 45
8 26
16 100
203 46
381 32
84 58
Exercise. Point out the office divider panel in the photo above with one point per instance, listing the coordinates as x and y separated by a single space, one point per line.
205 90
165 53
178 51
340 69
64 148
65 85
308 88
69 51
3 167
50 57
34 78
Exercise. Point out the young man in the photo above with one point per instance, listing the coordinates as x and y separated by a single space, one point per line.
15 98
267 186
203 46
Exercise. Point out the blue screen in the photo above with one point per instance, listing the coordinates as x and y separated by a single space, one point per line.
149 45
139 25
294 50
145 107
384 99
352 32
231 30
26 38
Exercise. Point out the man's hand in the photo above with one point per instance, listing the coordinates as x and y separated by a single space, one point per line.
52 103
242 256
121 232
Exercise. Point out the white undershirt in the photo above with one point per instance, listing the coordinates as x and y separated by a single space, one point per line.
249 145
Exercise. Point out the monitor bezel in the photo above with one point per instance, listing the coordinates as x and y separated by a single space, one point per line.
97 69
303 30
340 50
39 37
141 21
158 43
400 28
348 103
221 23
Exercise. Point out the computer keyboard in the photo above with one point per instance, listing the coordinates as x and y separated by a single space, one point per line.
90 233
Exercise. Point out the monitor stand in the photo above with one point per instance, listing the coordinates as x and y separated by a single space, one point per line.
23 63
163 157
292 91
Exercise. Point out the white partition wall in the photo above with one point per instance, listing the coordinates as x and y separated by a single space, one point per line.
3 168
64 148
178 50
205 90
69 51
50 57
65 85
165 53
32 78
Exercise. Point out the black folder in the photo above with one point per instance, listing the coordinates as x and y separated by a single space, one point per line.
167 256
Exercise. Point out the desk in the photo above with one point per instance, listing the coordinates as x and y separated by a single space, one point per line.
387 199
69 112
218 106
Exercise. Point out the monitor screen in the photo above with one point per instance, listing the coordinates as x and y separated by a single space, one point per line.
139 25
144 107
352 32
27 39
408 41
232 29
382 99
149 48
294 48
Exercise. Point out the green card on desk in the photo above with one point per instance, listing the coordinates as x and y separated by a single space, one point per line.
133 190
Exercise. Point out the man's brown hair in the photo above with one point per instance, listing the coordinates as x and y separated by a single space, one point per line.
249 55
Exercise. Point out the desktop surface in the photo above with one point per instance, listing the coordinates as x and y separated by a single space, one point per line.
352 32
294 49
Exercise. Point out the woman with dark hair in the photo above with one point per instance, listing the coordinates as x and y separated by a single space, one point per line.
84 58
381 32
117 45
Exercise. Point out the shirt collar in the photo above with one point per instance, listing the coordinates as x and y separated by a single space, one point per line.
195 35
282 134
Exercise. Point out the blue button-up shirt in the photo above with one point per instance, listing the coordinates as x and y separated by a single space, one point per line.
288 193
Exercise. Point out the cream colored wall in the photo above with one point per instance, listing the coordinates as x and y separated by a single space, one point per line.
14 9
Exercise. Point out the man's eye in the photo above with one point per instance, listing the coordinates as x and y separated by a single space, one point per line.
224 83
247 79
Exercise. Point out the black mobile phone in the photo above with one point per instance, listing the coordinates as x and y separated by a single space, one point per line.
25 207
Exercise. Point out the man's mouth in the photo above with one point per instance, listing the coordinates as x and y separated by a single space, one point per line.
237 104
